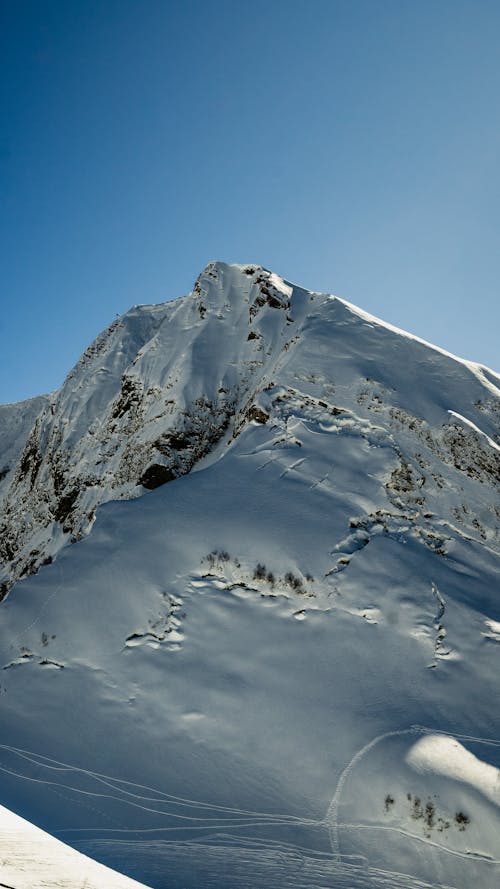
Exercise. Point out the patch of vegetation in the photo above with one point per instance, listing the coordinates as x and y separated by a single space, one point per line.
218 556
462 820
417 811
430 817
430 812
294 582
217 559
260 572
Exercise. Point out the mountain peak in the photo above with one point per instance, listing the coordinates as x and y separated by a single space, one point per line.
165 386
283 591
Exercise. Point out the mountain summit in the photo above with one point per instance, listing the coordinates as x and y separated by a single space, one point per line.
165 386
275 641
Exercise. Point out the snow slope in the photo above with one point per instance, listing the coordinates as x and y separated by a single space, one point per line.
279 668
31 859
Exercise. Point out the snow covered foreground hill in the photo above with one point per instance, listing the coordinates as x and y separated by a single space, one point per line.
279 667
32 859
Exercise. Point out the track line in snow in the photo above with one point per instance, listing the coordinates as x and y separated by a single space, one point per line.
37 618
331 817
293 466
182 827
263 466
476 856
319 481
160 798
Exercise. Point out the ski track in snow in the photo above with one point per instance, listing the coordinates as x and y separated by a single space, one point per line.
53 594
279 866
272 460
205 818
292 466
131 798
395 467
413 836
332 815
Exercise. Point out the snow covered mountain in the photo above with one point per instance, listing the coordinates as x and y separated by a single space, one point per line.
278 667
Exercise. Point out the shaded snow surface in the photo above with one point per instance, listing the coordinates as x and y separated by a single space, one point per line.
280 668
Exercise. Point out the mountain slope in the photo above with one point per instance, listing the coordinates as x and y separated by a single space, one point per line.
148 398
281 639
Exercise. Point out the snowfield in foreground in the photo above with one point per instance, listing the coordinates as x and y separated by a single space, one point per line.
31 859
270 657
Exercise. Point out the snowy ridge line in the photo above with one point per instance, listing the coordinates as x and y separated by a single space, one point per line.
32 858
479 431
453 529
331 818
476 368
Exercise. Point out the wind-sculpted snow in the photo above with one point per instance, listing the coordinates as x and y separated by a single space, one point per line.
225 682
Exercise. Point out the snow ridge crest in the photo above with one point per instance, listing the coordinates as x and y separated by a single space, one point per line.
167 388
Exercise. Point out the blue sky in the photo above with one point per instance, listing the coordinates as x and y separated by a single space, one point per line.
350 146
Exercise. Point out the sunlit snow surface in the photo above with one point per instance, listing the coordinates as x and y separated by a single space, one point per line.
31 859
280 670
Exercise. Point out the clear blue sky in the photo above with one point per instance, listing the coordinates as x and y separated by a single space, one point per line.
353 146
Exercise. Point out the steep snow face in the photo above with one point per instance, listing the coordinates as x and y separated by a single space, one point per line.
149 398
164 385
279 668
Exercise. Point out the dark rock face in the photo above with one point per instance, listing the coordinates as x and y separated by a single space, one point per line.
257 414
65 505
155 476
